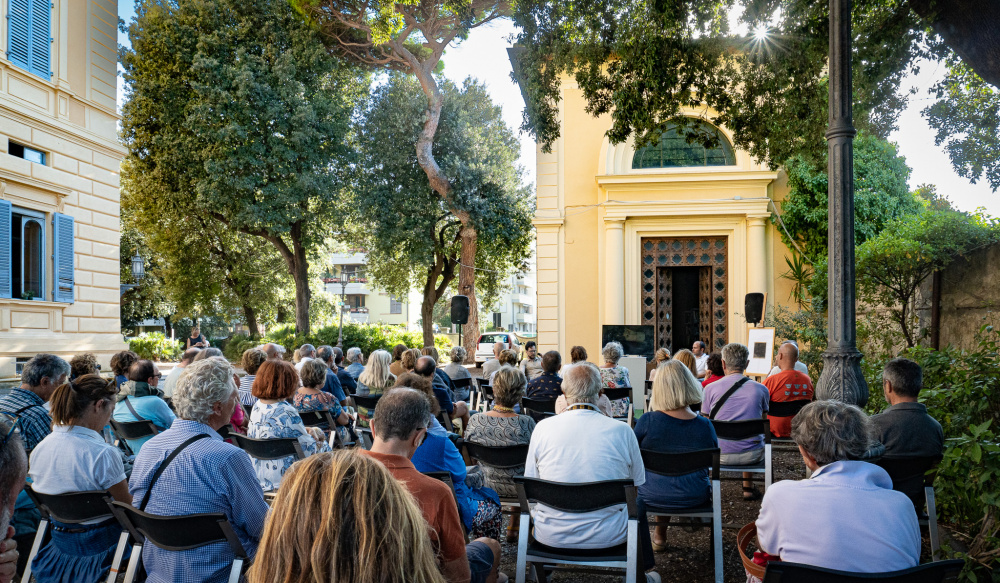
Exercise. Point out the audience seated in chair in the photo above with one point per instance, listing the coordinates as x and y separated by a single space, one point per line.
311 396
788 385
427 368
399 431
491 365
548 385
615 376
343 517
273 417
142 392
355 362
661 356
75 458
455 371
748 401
207 476
714 371
14 464
846 515
175 373
501 426
531 364
251 361
373 381
578 446
672 427
905 428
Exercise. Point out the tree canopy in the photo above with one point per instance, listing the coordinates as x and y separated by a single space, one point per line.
411 236
881 195
236 114
646 60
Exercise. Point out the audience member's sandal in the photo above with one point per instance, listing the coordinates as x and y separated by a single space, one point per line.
751 493
659 547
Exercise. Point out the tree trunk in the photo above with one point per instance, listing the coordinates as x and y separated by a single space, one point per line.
168 327
968 27
467 287
299 269
427 314
936 310
251 317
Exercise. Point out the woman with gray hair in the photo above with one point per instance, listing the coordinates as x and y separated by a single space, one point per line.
614 376
355 362
205 475
456 371
846 515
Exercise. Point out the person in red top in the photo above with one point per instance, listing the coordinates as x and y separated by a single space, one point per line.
714 366
398 430
787 385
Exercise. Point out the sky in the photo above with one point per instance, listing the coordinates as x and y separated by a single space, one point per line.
484 56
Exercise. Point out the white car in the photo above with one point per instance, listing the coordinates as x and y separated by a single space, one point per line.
484 348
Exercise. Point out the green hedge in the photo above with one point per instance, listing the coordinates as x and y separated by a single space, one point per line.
367 337
155 346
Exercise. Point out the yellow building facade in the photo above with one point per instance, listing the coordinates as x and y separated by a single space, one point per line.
625 239
59 180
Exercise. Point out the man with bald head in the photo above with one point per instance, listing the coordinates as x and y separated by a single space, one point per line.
273 351
788 385
493 365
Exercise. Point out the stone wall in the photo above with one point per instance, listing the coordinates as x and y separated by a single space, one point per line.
970 297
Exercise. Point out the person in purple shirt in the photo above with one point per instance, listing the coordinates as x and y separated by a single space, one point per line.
748 401
846 515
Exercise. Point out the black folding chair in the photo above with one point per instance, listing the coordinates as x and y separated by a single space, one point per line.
321 419
487 396
367 439
538 409
507 456
72 508
618 394
480 396
939 572
445 421
367 401
914 476
269 449
747 429
785 409
465 383
445 477
133 430
177 533
247 409
680 464
577 498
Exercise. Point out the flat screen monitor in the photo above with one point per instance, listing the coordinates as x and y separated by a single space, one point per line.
635 340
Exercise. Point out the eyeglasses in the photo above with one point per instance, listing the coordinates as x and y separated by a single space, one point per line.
15 426
158 375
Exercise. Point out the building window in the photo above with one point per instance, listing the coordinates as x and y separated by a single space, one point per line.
355 300
29 35
28 153
395 306
497 320
25 254
673 150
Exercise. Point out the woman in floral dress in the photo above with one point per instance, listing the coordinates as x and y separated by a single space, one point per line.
311 397
614 376
273 417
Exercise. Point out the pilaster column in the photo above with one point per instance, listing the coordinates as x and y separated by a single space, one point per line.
614 271
756 260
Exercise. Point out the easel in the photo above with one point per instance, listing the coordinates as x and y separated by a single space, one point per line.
759 377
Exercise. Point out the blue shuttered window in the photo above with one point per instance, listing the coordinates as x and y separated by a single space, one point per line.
6 268
62 237
29 35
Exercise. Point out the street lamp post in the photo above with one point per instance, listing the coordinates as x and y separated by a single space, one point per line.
138 272
842 378
343 280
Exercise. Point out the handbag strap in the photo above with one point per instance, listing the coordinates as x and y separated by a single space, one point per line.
718 404
135 414
163 466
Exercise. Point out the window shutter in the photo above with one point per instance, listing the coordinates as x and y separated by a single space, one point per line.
18 37
6 276
41 38
63 258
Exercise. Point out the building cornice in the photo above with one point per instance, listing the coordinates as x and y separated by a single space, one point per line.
78 135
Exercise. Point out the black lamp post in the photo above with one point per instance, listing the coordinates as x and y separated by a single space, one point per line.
343 280
842 378
138 272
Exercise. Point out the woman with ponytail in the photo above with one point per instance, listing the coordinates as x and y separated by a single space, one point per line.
75 458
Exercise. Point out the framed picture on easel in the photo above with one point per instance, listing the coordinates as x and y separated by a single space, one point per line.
760 342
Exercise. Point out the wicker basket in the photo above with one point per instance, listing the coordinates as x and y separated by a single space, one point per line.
746 536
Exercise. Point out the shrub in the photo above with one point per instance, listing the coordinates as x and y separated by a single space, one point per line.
367 337
155 346
236 345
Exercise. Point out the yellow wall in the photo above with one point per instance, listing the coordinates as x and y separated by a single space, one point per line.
587 192
72 118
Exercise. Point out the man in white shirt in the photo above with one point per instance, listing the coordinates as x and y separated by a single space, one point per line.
799 365
700 358
175 373
307 352
582 445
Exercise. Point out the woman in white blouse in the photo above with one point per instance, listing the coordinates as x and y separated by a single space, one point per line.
75 458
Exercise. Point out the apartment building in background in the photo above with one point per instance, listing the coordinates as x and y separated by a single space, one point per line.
59 180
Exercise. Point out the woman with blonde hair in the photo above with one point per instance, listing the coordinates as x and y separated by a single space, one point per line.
343 517
662 355
687 358
409 359
672 426
374 380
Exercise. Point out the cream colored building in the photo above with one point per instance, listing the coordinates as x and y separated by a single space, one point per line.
59 188
365 304
671 236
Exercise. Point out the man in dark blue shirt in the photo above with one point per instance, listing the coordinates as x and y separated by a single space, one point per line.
346 380
548 385
427 368
333 385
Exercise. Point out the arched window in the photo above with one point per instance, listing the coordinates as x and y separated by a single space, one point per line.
674 151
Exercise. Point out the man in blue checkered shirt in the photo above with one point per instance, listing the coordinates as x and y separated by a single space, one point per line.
208 476
39 379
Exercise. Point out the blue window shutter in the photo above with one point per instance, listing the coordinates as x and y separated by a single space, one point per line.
41 38
6 276
18 33
62 227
